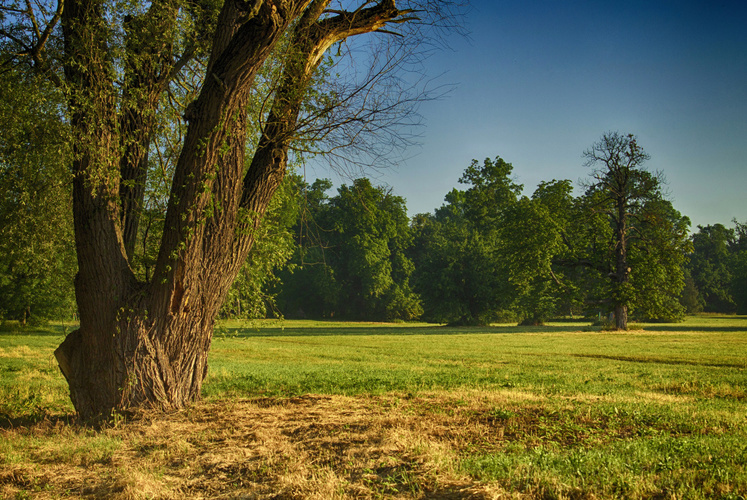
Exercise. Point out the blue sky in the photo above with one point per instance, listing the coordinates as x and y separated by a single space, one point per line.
538 82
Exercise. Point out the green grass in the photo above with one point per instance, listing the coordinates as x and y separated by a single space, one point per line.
660 411
658 467
657 412
557 359
31 385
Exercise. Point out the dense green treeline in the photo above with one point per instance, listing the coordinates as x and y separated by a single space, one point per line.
37 251
492 254
716 278
489 253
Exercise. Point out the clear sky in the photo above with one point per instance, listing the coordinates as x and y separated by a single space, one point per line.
539 81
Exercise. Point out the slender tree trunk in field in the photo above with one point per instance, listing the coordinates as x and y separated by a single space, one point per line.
621 316
622 271
141 344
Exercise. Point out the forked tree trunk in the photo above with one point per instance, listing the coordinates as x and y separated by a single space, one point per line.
141 361
145 345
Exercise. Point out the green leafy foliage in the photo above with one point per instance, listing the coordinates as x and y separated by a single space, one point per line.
253 293
532 241
647 239
37 259
710 266
718 268
658 257
352 260
456 271
488 251
460 272
491 190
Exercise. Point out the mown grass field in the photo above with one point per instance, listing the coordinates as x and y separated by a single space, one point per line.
353 410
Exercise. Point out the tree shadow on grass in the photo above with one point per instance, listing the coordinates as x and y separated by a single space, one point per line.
385 330
49 330
10 422
690 328
663 361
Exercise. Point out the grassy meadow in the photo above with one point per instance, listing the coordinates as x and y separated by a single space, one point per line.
300 409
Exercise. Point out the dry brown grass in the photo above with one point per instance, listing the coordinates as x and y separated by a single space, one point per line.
312 447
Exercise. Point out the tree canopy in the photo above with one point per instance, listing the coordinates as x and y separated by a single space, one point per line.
460 271
641 223
357 260
490 253
718 268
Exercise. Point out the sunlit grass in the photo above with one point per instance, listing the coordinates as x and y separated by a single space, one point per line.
559 411
657 411
354 359
31 384
659 466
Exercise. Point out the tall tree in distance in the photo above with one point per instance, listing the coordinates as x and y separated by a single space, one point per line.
369 240
628 197
357 265
718 267
710 266
144 344
532 241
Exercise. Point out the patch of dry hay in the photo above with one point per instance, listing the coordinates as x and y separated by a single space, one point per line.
311 447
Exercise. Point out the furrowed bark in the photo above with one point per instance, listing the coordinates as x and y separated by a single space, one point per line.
145 344
104 278
622 271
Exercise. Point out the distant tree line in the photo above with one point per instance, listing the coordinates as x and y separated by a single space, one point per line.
619 249
716 274
615 251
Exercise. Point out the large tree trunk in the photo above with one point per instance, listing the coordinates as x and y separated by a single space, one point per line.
146 344
146 364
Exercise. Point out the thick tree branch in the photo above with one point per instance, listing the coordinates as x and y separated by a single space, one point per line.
311 40
149 66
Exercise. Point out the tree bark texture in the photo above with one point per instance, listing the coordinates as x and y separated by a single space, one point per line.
146 344
621 316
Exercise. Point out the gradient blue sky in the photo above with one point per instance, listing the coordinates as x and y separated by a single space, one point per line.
538 82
